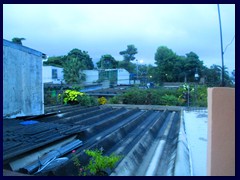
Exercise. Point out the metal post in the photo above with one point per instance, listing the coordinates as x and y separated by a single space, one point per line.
137 69
220 26
188 95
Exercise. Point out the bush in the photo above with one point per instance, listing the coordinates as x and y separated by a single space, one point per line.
170 100
98 164
102 100
86 100
115 100
76 97
202 96
162 96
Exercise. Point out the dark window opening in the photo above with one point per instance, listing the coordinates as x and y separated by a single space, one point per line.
54 73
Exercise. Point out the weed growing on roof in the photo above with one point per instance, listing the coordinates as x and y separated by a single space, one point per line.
98 164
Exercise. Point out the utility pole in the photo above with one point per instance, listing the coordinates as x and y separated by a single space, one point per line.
223 84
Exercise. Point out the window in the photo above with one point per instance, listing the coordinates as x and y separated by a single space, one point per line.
54 73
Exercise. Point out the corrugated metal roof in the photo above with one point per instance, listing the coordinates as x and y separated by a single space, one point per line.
132 132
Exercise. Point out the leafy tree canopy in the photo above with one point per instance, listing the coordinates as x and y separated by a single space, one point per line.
57 61
129 66
129 53
107 62
83 57
72 71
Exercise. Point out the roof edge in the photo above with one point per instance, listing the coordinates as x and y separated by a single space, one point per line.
23 48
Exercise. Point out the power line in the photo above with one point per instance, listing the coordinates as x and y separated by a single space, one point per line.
220 27
229 44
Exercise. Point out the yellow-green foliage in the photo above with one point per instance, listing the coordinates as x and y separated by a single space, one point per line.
102 100
71 96
98 163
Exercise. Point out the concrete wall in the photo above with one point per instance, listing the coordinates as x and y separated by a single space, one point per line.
221 132
22 80
47 75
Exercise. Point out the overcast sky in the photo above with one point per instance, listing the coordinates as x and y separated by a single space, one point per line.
108 29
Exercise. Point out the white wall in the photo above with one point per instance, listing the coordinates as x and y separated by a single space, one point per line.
47 75
123 76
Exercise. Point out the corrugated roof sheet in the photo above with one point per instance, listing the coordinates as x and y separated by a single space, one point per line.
131 132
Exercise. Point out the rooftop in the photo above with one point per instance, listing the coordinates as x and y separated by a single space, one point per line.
150 138
23 48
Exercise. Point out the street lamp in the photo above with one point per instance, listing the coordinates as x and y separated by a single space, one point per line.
141 61
137 69
196 76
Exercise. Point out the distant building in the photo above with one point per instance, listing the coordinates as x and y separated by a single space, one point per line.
55 75
52 74
22 80
115 76
91 76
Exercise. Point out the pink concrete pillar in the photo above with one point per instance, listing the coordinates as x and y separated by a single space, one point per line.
221 132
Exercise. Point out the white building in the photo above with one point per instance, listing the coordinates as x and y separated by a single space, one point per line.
55 75
52 74
118 76
91 76
122 77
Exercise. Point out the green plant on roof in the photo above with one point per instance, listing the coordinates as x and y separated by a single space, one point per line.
98 164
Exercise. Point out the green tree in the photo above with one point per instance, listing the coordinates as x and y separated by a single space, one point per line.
72 73
192 63
18 40
57 61
213 76
81 56
165 60
233 76
129 66
152 73
107 62
129 53
178 69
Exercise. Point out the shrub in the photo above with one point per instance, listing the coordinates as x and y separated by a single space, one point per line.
102 100
76 97
115 100
98 164
71 96
170 100
86 100
202 96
